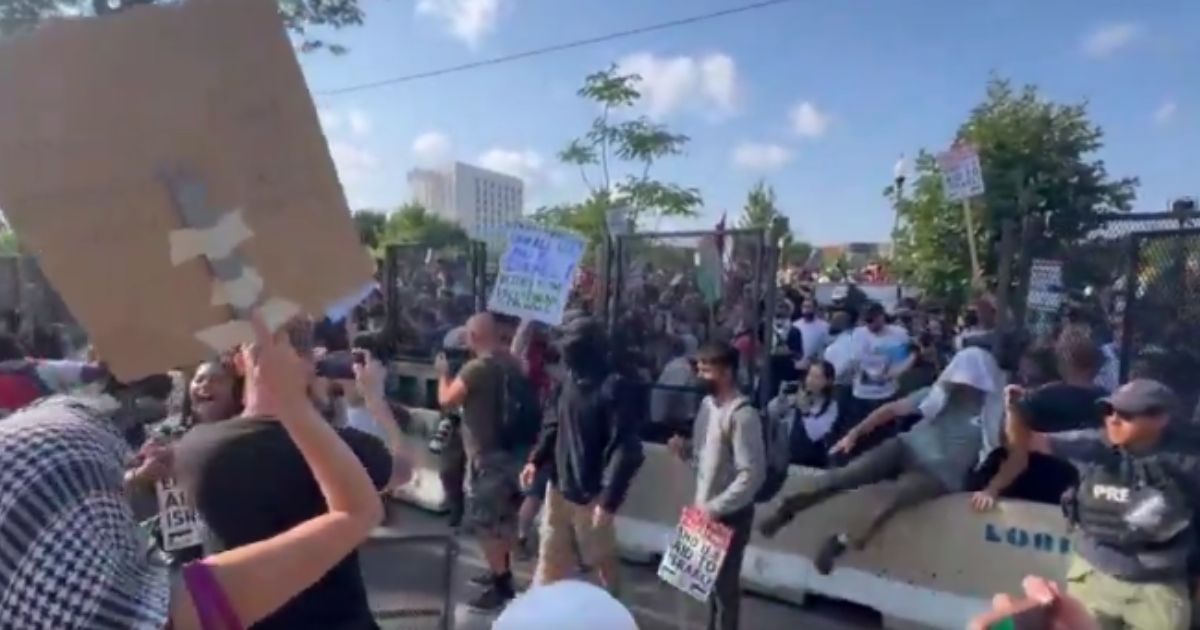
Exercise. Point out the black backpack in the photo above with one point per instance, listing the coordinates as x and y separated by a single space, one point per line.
777 449
521 418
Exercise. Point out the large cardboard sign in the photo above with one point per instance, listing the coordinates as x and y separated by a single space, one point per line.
536 273
166 166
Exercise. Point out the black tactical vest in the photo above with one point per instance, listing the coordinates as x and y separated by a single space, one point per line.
1135 505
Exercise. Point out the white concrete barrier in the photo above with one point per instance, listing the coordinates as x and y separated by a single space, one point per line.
935 565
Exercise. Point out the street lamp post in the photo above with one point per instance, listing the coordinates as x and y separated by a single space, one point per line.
899 175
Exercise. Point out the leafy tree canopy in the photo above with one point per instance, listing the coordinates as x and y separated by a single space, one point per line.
412 223
299 15
760 211
615 159
1038 160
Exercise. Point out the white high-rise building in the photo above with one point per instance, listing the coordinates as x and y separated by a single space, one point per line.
483 202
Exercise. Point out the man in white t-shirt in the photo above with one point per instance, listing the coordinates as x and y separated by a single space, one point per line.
879 354
814 330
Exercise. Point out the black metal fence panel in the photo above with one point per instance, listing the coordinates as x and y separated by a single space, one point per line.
430 291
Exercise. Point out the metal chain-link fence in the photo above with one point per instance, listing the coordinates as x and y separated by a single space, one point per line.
1162 310
429 291
1133 282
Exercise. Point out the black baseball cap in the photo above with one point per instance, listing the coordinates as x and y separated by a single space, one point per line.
1142 397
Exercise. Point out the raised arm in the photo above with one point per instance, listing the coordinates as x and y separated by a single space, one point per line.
261 577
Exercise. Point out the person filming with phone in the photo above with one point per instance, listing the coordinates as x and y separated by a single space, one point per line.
1133 508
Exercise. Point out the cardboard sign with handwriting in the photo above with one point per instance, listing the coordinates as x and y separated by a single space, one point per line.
117 132
536 273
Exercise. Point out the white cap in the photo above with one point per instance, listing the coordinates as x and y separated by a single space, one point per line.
569 604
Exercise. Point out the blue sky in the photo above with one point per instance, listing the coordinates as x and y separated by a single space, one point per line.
819 97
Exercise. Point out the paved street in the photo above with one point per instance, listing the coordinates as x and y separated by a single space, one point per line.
409 576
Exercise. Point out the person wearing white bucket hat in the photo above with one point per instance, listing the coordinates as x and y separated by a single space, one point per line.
930 460
568 604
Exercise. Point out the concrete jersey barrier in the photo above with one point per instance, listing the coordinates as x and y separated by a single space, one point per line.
935 565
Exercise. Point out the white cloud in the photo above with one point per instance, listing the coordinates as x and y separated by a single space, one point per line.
355 165
360 123
526 164
468 20
1110 38
755 156
432 148
351 119
808 121
1166 112
669 84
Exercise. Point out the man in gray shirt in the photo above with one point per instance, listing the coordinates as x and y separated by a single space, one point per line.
930 460
728 450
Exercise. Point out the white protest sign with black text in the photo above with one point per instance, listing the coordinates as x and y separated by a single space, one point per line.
536 271
181 526
694 558
962 174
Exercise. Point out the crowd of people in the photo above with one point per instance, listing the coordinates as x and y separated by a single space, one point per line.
258 474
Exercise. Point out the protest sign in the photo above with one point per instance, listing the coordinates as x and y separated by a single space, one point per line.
962 174
536 273
166 166
181 526
693 559
962 179
1045 296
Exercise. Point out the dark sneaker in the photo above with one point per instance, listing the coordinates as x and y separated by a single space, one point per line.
772 524
483 579
492 600
830 551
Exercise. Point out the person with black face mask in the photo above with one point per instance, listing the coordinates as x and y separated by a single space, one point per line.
588 429
729 453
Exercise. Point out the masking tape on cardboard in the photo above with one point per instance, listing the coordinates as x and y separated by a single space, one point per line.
214 243
275 312
241 293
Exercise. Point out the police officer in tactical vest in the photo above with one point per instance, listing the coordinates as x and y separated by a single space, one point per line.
1133 509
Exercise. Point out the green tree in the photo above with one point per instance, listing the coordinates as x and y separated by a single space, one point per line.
615 159
412 223
371 225
1038 160
299 15
761 212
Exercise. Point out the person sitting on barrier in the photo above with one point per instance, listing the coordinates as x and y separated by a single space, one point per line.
1134 508
729 453
1066 405
931 460
590 445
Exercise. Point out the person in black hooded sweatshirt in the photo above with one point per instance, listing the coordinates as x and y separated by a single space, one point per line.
588 431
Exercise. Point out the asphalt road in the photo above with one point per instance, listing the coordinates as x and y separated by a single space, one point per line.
409 576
